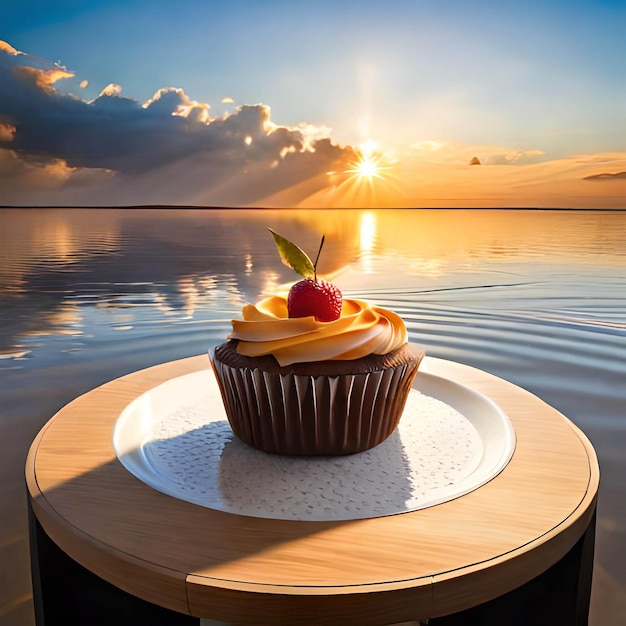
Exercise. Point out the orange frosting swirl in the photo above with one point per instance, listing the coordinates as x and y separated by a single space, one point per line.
362 329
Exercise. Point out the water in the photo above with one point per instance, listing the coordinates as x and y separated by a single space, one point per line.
536 297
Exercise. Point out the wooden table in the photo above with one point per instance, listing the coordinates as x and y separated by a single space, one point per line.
520 546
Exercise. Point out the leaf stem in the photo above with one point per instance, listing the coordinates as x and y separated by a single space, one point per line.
317 259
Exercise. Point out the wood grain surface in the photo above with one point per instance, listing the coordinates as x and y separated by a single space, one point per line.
235 568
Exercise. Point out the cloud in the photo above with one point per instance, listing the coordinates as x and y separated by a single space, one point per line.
7 132
112 90
44 180
58 149
607 176
512 156
169 149
8 48
442 152
428 145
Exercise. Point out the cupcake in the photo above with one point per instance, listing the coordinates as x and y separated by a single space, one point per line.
312 373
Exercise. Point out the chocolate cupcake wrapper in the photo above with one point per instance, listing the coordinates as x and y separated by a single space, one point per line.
313 415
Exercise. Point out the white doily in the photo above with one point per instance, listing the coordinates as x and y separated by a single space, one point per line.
194 454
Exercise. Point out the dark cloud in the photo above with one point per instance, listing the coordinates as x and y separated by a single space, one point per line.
117 150
607 176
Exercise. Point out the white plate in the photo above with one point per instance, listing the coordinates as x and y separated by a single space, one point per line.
450 441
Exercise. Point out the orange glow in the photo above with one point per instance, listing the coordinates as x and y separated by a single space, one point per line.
367 182
437 175
366 168
368 164
447 180
43 79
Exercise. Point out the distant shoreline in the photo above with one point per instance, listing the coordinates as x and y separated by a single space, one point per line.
244 208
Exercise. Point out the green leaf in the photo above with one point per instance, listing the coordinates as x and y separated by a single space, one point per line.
293 256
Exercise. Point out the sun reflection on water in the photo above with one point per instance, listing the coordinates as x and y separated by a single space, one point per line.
367 238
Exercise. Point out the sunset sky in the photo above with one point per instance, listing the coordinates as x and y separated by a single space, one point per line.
313 104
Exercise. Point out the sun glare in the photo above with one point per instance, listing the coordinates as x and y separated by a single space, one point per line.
368 164
368 180
367 167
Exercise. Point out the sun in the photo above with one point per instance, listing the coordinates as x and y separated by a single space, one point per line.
368 164
367 167
368 179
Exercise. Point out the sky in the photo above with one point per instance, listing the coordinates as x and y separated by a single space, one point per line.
411 103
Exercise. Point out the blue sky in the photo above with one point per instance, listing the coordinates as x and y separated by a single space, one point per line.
543 80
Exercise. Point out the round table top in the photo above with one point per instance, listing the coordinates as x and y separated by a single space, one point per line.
235 568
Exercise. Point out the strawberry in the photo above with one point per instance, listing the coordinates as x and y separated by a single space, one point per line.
308 297
318 298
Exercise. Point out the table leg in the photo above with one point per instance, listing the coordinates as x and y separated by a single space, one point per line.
67 594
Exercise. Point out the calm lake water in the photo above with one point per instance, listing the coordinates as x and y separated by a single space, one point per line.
536 297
